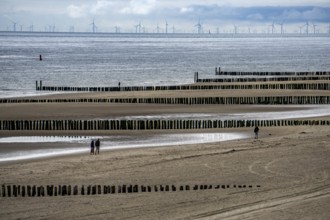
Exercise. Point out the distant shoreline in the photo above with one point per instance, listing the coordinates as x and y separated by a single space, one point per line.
165 35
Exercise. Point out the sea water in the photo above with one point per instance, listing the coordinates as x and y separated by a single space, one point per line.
86 59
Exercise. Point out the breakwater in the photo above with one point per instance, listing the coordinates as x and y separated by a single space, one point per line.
88 190
258 100
236 73
176 124
288 86
264 79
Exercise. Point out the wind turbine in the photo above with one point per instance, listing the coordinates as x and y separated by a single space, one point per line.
173 29
71 29
307 24
314 27
31 28
273 27
51 28
93 25
199 27
235 29
14 25
117 29
13 22
166 26
138 26
281 24
157 28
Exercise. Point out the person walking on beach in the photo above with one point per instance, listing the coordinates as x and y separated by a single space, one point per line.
92 147
256 131
97 145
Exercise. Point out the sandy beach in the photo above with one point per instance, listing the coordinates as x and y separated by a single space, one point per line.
289 164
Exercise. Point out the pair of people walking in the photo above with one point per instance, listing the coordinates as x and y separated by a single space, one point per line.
95 147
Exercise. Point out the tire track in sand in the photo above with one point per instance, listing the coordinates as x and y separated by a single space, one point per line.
245 210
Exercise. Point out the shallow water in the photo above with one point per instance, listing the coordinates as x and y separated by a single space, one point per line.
118 142
109 143
301 111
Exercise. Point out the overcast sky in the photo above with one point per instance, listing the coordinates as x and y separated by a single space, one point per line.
60 15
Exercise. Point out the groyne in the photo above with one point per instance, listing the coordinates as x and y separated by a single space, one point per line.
257 100
264 79
288 86
7 191
255 73
175 124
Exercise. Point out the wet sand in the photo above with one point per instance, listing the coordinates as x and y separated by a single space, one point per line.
291 165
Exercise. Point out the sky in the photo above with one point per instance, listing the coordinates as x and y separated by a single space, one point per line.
152 15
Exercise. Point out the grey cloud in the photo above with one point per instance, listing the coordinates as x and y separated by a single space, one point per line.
266 14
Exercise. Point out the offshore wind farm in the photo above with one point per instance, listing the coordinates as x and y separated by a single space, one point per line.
277 27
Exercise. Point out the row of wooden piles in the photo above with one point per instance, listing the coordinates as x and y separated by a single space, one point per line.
280 80
283 78
257 100
157 124
75 190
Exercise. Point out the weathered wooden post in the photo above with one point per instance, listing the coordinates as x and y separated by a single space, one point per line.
23 191
55 191
49 191
82 190
196 77
75 190
28 189
34 190
3 189
15 190
38 191
135 188
94 190
113 189
105 189
69 190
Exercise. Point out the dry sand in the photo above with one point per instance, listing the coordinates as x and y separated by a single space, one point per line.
291 164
